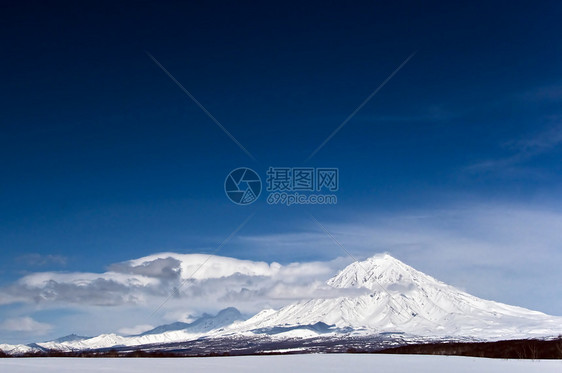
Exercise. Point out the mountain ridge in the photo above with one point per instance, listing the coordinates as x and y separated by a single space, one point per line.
205 323
399 300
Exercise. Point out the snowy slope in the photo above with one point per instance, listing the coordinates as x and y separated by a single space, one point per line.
16 349
114 340
402 299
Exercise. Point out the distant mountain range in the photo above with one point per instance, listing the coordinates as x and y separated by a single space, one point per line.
398 305
204 324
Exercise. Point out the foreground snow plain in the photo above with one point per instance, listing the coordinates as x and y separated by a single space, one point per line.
355 363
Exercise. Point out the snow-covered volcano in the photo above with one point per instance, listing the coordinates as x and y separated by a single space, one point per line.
385 297
399 298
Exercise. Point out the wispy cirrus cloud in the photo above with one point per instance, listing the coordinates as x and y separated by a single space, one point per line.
523 149
543 141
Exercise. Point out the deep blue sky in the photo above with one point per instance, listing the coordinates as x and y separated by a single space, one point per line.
104 159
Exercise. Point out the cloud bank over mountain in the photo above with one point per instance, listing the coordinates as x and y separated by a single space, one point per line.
514 247
197 277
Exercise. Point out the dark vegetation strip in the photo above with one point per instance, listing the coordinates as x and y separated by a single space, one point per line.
511 349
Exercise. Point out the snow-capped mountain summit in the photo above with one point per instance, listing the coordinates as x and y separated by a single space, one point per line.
376 272
402 299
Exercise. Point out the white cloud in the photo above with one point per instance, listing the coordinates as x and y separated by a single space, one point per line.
137 329
26 325
180 315
204 280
